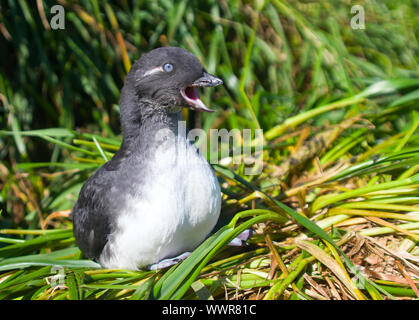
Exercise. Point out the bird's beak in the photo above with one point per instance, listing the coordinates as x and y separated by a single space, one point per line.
191 94
207 80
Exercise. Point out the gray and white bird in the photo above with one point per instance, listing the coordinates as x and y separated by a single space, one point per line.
157 198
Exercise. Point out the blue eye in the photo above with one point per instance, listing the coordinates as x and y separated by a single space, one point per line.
168 67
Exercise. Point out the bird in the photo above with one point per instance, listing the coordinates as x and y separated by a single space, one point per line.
157 198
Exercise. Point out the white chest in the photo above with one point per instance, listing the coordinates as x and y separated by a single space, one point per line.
173 213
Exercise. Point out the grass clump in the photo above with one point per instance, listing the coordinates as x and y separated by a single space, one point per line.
335 209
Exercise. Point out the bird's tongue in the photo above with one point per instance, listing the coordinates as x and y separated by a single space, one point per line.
192 93
191 96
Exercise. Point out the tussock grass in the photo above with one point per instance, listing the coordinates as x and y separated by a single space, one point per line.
335 209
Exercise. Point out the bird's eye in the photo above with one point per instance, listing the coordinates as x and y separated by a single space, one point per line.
168 67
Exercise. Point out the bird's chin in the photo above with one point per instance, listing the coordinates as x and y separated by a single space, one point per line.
191 95
174 109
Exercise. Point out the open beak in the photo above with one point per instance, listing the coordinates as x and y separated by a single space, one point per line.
191 94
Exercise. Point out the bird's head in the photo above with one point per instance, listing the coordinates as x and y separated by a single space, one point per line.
170 77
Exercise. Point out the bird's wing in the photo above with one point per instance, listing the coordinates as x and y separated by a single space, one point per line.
100 201
96 207
92 216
